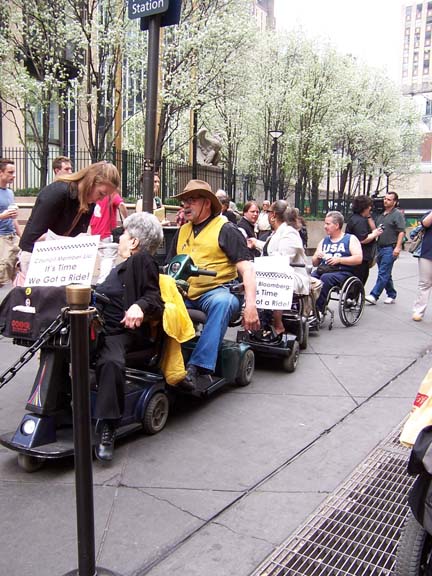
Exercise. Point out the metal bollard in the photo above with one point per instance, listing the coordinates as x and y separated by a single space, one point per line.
78 299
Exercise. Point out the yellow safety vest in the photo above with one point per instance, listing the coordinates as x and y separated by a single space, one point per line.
206 253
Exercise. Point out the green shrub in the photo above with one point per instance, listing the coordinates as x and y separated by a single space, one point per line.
27 192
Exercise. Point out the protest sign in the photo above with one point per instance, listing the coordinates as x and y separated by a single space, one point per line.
274 282
63 261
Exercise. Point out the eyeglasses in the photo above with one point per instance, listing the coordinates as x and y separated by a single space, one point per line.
192 199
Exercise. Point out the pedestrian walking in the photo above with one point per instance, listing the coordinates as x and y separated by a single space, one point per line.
362 225
389 245
424 270
9 228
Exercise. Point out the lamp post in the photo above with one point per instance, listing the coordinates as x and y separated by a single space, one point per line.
275 134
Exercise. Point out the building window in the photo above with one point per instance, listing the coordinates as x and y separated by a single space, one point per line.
419 11
415 57
408 14
427 39
54 123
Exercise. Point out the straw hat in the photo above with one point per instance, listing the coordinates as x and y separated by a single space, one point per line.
201 188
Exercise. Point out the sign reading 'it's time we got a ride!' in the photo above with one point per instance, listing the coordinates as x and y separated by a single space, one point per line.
144 8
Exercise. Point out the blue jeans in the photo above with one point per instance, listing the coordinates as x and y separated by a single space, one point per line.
329 280
385 261
220 306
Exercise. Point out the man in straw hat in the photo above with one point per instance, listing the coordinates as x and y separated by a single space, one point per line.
213 244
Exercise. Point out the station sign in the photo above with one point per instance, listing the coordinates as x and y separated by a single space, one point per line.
170 17
146 8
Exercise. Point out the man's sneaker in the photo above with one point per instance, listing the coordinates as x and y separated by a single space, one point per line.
389 300
371 299
417 317
105 449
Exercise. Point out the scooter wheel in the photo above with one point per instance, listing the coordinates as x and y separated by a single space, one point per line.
414 550
290 363
30 463
247 368
156 413
305 334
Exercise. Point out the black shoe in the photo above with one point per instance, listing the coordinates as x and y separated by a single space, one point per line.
188 384
105 450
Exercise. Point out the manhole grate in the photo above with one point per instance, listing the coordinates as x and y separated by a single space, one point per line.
356 530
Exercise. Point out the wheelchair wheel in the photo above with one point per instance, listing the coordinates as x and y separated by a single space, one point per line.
414 550
351 301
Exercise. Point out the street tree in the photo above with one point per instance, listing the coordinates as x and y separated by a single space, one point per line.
38 62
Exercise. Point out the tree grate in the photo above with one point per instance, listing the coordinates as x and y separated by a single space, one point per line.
356 530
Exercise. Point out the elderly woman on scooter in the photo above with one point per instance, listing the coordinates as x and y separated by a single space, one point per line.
134 299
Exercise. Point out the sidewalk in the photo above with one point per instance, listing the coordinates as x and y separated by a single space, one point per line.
229 479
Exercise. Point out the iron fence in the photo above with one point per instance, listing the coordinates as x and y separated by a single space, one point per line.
174 176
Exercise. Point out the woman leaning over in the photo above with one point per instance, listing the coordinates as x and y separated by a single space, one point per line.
425 270
362 225
66 206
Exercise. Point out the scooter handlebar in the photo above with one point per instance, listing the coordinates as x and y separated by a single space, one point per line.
101 298
202 272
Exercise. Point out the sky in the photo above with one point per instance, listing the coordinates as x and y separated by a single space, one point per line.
367 29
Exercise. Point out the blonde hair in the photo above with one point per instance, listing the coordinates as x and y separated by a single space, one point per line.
86 178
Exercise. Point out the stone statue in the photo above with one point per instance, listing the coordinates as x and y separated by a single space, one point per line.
208 148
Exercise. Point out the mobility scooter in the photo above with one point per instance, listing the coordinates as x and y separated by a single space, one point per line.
45 431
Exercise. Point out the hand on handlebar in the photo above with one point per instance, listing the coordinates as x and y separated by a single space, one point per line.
133 317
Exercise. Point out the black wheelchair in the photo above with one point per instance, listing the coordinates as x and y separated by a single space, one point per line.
351 302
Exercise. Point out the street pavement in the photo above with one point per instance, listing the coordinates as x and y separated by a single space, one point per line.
229 478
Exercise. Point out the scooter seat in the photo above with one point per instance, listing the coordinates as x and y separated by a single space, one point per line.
142 359
197 316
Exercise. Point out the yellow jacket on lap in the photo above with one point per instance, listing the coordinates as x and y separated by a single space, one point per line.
177 326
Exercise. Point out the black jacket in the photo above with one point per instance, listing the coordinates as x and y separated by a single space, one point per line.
55 209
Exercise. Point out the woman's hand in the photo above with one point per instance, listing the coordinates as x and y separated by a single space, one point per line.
133 317
251 243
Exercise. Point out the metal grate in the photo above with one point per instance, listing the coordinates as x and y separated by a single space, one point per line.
356 530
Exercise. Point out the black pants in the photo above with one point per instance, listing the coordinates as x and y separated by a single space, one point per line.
110 376
362 271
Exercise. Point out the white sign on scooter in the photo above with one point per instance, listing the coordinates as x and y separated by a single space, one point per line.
274 282
63 261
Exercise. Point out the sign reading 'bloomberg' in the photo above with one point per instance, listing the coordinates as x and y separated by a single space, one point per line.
143 8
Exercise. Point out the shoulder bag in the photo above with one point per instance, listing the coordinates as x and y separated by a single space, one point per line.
416 240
